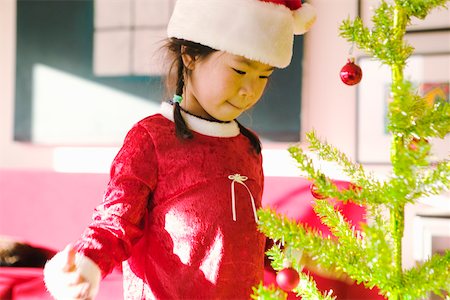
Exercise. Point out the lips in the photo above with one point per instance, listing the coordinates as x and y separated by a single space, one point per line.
235 106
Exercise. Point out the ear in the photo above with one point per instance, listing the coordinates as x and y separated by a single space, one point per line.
188 60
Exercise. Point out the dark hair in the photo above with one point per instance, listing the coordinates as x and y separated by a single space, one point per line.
18 254
175 82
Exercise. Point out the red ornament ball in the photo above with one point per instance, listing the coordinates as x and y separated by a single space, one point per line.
351 73
354 187
315 193
288 279
415 143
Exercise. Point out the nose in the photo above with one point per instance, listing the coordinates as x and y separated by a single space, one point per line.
247 90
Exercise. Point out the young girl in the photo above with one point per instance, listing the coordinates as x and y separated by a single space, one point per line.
180 208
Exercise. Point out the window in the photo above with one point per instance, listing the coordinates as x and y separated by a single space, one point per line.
88 70
128 35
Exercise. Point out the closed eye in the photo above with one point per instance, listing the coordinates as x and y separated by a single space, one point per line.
239 71
264 77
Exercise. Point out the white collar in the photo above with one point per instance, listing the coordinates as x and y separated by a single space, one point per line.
202 126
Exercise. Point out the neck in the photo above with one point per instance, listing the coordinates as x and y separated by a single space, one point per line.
191 106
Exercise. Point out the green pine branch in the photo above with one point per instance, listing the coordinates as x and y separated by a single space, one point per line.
435 122
355 171
307 288
400 190
298 236
262 292
379 42
411 115
420 8
285 231
431 276
378 250
424 182
360 259
359 262
340 227
365 189
435 180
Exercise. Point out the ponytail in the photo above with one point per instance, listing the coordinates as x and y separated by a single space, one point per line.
254 140
181 129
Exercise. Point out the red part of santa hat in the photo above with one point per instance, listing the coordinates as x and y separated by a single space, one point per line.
291 4
261 30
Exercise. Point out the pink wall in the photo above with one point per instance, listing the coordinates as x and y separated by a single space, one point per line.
47 208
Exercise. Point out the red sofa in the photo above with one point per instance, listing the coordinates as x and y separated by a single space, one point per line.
47 209
51 209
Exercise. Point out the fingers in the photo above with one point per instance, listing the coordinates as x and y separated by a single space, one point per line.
78 292
69 259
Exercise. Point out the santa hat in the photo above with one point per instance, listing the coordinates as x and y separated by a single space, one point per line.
261 30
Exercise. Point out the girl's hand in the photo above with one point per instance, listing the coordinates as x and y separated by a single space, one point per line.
63 279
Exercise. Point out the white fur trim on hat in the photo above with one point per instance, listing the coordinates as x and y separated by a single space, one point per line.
304 18
257 30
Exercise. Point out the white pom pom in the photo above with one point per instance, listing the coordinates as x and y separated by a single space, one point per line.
304 18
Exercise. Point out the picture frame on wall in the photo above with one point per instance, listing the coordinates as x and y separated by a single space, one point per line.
429 73
431 236
428 69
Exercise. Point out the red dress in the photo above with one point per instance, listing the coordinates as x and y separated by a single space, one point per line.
169 212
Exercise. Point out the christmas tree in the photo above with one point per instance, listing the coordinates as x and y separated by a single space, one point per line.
371 255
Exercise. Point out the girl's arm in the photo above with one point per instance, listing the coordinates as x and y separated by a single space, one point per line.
118 222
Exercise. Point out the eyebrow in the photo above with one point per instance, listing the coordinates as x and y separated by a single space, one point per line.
252 64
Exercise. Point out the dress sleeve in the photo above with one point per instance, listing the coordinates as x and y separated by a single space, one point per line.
119 221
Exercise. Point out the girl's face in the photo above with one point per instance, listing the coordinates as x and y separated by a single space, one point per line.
222 85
